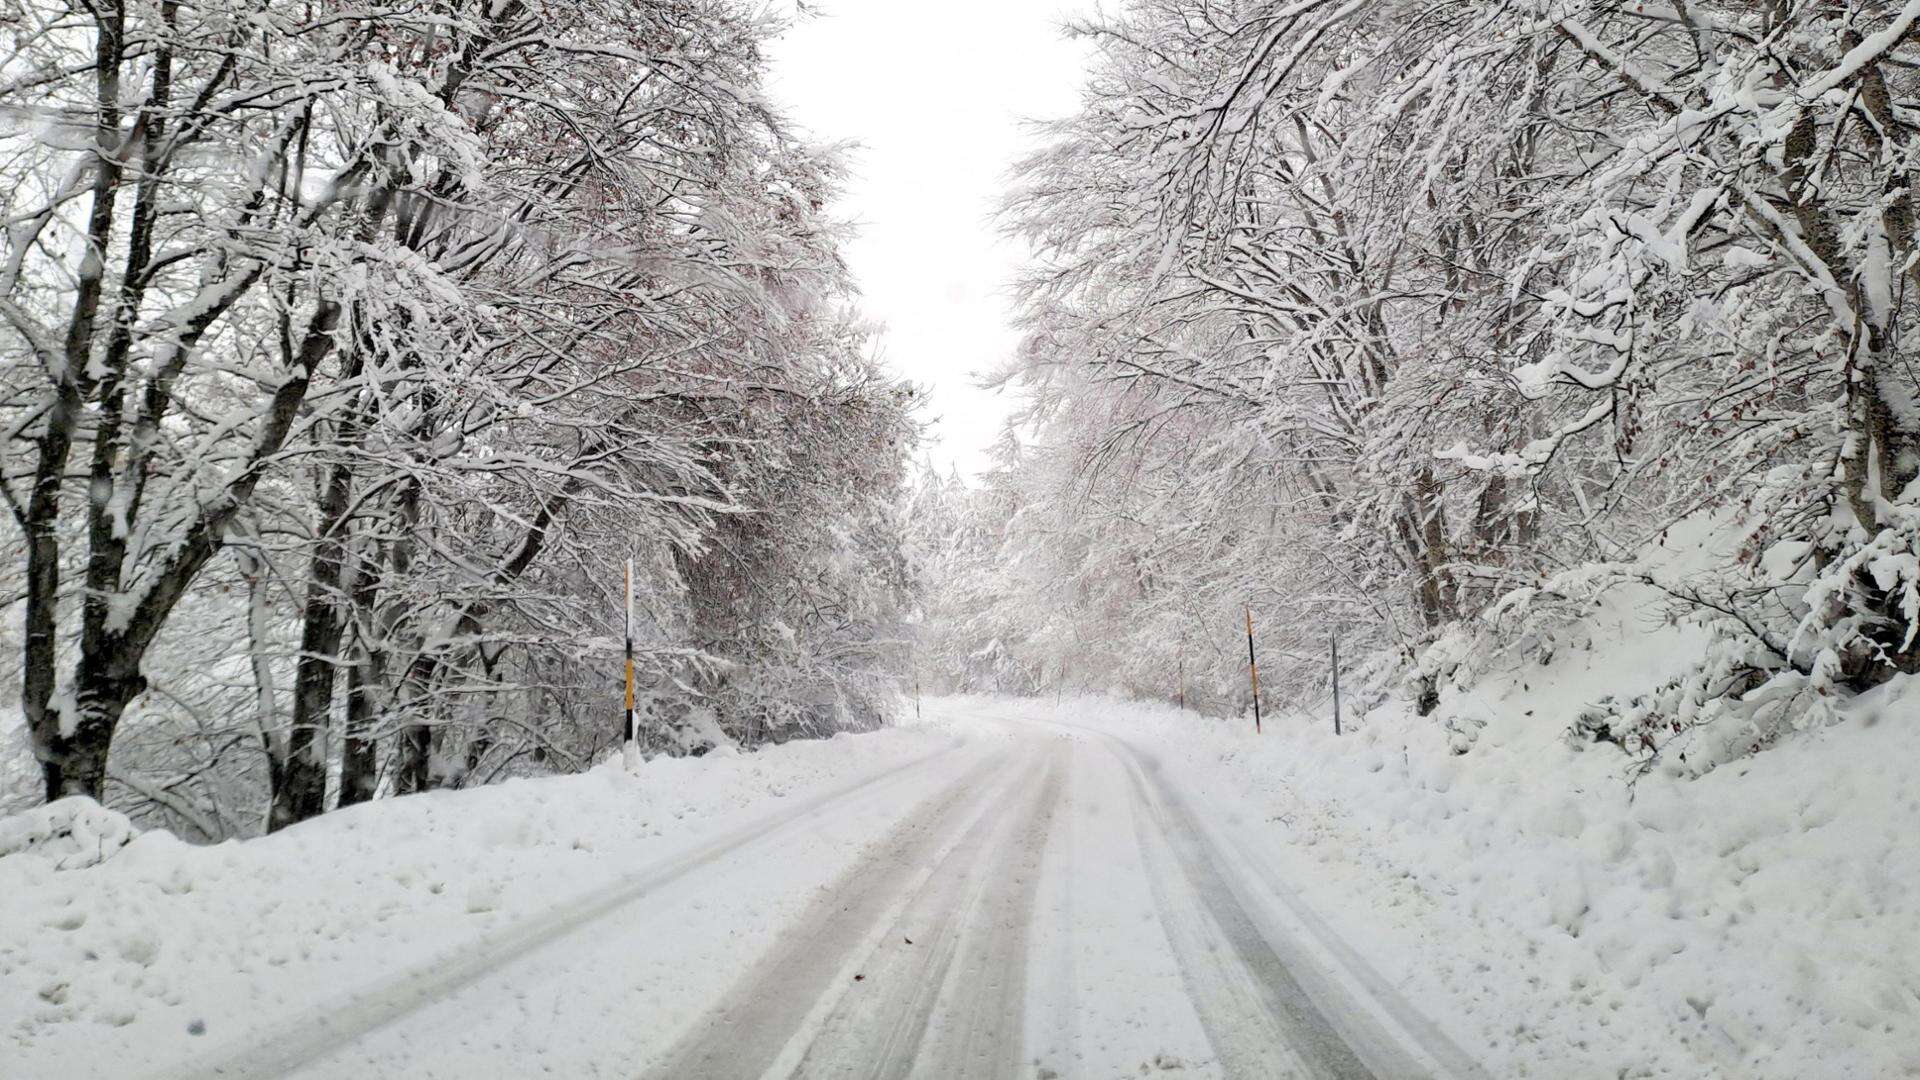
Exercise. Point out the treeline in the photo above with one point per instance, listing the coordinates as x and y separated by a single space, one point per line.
346 352
1417 322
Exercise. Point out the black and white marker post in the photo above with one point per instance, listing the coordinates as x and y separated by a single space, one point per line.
1253 671
632 747
1333 646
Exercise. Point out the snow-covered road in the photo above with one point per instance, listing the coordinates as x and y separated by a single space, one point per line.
1029 899
1080 888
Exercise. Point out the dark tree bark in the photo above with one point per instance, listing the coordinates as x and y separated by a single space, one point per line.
413 749
359 761
300 789
112 647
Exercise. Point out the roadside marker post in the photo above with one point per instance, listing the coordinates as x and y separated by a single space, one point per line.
1253 671
1333 645
633 733
1184 642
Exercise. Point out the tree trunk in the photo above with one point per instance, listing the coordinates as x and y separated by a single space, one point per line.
70 760
76 764
360 761
301 790
413 760
41 653
413 748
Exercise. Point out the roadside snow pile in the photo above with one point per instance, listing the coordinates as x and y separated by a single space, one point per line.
70 833
1561 916
164 943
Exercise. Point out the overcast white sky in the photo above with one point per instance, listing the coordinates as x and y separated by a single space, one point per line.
934 93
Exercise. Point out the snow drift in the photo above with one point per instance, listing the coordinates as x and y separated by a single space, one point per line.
166 949
1564 909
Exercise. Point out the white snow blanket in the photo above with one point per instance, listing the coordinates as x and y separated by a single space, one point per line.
68 833
166 948
1550 913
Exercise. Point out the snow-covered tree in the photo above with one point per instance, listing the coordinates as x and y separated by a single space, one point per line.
349 352
1381 317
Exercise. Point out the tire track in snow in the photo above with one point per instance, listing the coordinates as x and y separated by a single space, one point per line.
1261 1022
959 881
1350 1002
1239 905
280 1048
984 1026
975 1026
1375 1018
1106 996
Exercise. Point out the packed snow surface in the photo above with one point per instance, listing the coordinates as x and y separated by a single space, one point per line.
1082 888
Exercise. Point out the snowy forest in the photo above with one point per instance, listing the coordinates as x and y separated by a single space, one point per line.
493 583
347 351
1422 325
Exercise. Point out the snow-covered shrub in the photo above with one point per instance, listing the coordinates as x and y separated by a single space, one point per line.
70 833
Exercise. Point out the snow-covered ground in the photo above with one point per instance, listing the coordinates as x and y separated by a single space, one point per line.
991 895
1083 888
1559 915
1760 922
168 953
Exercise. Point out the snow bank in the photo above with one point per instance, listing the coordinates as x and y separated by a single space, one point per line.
1560 915
69 833
138 958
